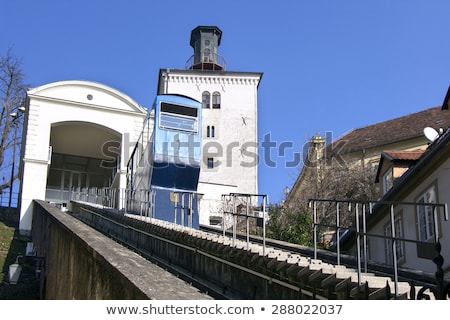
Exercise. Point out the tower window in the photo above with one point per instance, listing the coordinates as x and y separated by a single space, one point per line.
210 163
210 131
207 55
216 100
206 99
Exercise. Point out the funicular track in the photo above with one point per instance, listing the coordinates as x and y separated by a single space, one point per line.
272 269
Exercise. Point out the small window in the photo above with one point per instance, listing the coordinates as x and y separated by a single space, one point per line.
216 100
425 215
207 55
206 99
388 180
210 132
210 163
399 250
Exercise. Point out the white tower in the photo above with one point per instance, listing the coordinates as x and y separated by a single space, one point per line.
229 124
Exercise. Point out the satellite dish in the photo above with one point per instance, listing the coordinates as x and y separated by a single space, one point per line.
430 133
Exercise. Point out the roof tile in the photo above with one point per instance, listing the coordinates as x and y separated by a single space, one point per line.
404 155
391 131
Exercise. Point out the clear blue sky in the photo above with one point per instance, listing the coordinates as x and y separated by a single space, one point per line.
329 65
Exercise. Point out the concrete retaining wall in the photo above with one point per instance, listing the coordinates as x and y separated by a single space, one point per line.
81 263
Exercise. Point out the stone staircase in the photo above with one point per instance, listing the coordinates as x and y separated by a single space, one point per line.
313 278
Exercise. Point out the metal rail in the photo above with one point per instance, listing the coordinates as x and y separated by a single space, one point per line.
251 201
360 212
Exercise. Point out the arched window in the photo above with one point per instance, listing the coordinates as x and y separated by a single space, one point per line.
213 132
208 131
216 100
206 99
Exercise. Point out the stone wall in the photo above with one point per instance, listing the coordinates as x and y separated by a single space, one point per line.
81 263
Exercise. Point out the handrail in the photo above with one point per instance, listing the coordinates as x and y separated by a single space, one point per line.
362 204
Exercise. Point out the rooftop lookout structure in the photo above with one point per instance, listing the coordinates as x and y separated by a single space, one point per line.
205 40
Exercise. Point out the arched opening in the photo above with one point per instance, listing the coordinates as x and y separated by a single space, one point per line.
82 155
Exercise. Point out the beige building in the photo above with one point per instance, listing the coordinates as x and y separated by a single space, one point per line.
363 146
417 222
410 214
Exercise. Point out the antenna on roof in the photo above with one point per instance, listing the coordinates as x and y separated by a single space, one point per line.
430 133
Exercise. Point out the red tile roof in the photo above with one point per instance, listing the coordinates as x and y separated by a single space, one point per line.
403 155
391 131
398 156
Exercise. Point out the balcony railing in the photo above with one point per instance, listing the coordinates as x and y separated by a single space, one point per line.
206 61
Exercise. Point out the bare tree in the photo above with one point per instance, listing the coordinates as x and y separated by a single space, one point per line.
12 98
330 180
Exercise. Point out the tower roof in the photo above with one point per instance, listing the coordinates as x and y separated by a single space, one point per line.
206 28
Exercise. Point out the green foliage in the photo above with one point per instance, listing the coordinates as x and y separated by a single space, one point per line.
292 225
6 237
11 247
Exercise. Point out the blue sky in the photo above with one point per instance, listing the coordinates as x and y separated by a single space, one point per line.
328 65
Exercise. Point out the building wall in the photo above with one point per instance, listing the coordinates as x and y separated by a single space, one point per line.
368 157
209 203
440 178
371 155
70 101
79 263
234 147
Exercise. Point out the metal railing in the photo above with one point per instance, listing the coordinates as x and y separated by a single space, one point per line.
248 206
361 210
107 197
141 202
206 60
8 198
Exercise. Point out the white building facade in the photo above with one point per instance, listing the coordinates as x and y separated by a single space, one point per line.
77 134
229 120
